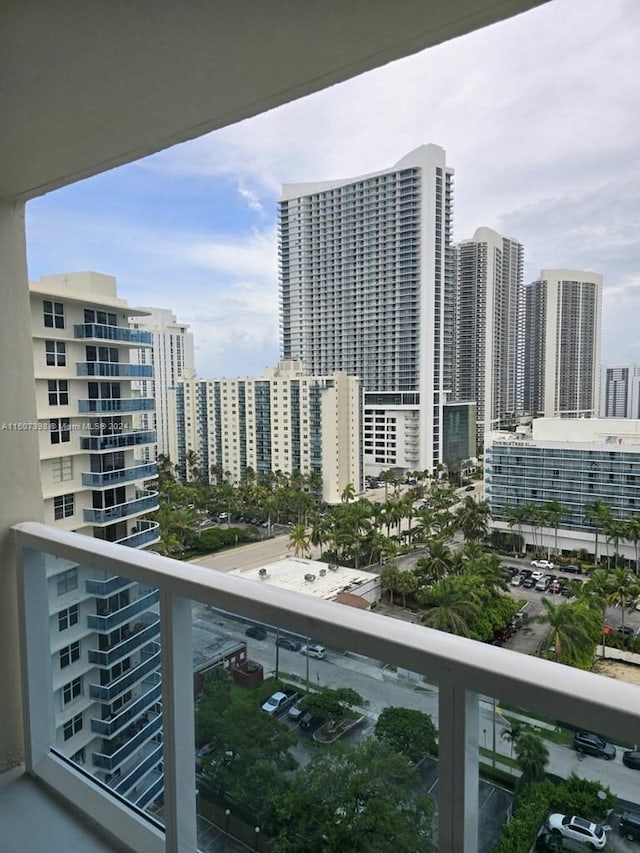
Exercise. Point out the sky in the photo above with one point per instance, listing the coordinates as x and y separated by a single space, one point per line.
540 119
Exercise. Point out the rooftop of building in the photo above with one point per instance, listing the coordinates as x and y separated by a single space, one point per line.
308 576
579 431
85 287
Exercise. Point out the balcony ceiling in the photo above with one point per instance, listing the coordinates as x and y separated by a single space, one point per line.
87 86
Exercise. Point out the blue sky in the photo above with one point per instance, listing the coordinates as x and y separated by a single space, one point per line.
540 118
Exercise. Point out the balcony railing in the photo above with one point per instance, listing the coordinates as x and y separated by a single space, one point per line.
103 589
110 762
140 770
108 694
108 728
120 404
113 333
116 441
121 475
122 614
147 501
121 650
148 532
463 670
114 368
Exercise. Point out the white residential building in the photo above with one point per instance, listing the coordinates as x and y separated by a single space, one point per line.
562 344
620 391
364 271
488 328
171 354
104 630
285 421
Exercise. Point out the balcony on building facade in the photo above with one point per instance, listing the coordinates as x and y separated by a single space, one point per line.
114 368
110 761
120 615
108 693
134 438
107 587
97 331
141 634
118 722
144 501
118 404
463 676
140 471
146 533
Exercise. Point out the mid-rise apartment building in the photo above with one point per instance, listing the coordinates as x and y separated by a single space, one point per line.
620 391
285 421
170 355
365 267
104 631
487 341
562 344
578 463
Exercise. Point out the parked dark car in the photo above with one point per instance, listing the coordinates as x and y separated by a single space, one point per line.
529 583
625 630
592 744
572 570
257 632
287 643
630 826
549 842
631 758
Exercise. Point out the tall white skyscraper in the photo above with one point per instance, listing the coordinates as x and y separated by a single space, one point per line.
562 344
620 391
488 328
364 264
170 355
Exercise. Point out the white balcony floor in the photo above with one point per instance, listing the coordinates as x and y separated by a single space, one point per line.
33 820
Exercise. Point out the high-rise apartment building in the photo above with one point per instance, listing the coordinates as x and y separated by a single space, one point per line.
488 328
170 355
562 344
286 421
620 391
104 631
364 269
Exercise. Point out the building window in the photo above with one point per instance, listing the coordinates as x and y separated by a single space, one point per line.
71 691
58 392
72 727
69 654
61 469
56 353
67 581
67 617
101 317
59 430
63 506
53 314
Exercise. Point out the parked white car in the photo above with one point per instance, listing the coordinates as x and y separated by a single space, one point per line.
314 651
542 564
579 829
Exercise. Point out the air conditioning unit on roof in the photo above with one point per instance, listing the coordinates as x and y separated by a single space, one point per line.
309 577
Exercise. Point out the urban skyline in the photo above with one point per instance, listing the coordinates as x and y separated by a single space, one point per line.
194 228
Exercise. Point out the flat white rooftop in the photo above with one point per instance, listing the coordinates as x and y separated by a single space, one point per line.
592 431
289 573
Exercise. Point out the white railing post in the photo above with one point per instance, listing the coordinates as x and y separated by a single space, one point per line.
458 721
178 724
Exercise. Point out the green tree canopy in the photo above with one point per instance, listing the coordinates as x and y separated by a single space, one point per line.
407 731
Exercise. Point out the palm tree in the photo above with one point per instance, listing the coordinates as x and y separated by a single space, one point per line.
387 477
473 519
516 516
348 493
406 584
574 630
438 559
449 608
622 587
632 534
299 541
389 579
615 530
513 733
599 514
532 755
554 512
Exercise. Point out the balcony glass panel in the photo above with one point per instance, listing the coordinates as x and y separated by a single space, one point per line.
103 588
108 368
110 727
141 634
329 782
113 442
129 404
112 333
122 475
144 502
148 532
